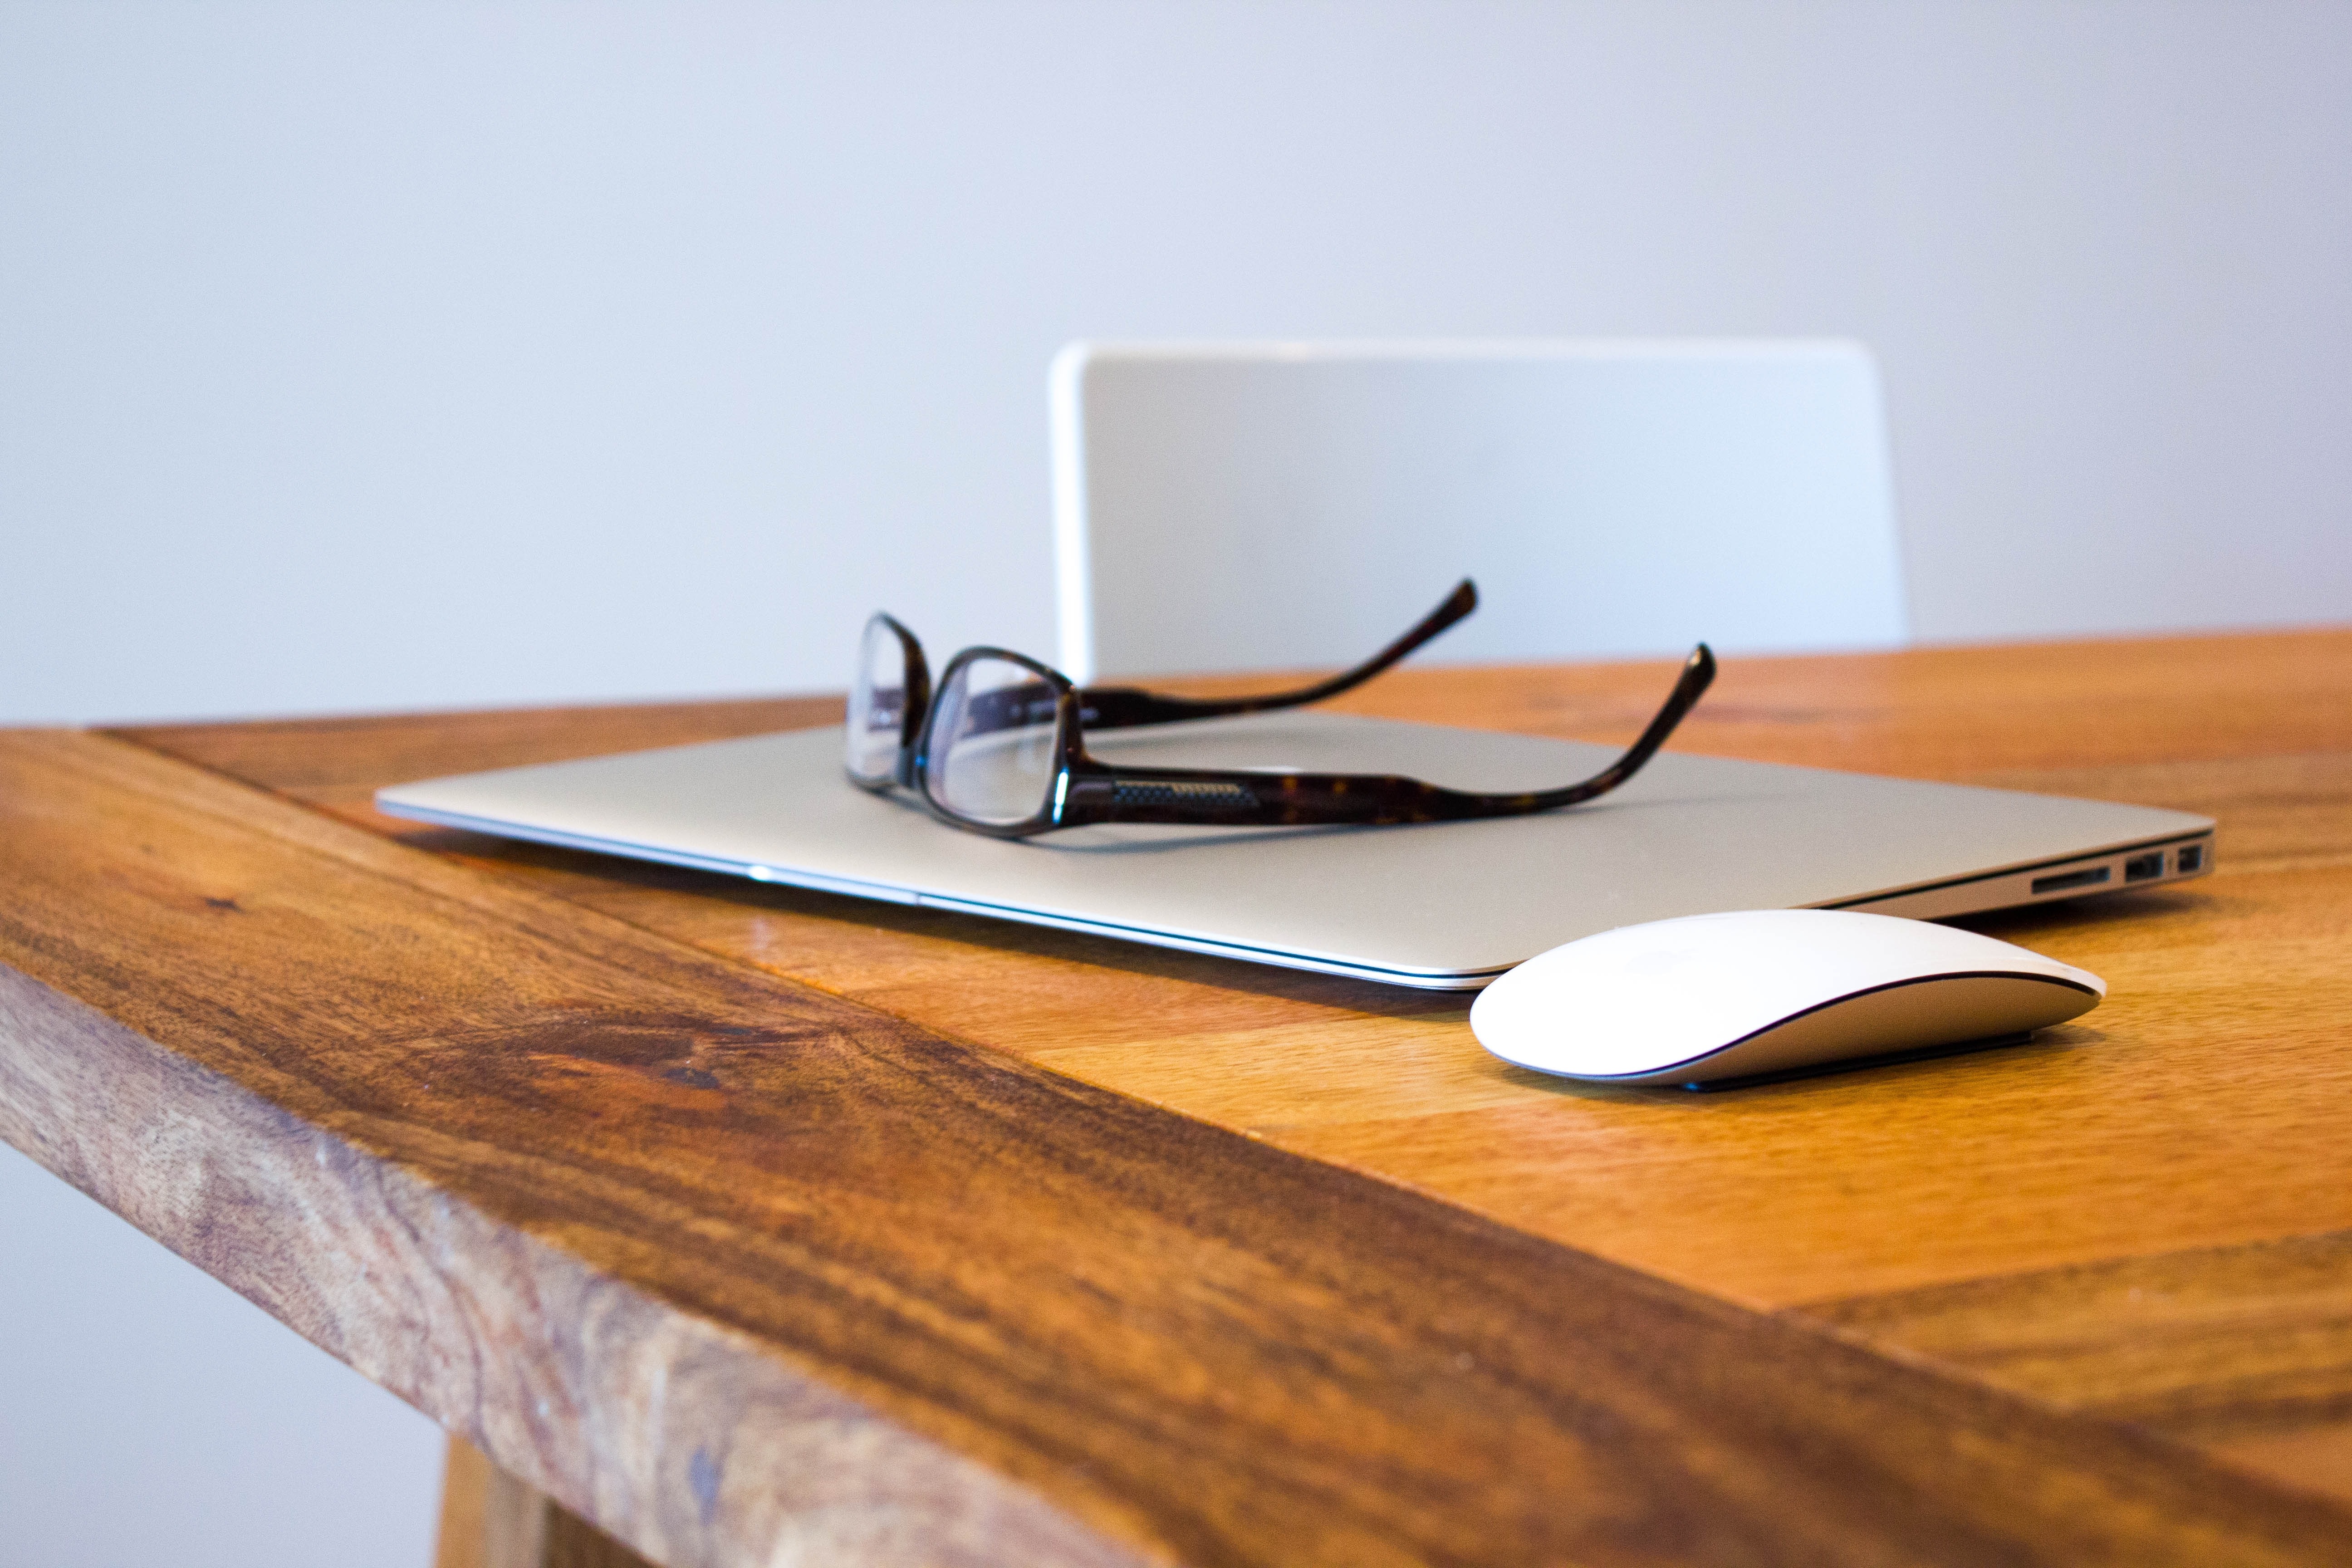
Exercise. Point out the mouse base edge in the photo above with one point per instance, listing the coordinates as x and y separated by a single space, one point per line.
1855 1064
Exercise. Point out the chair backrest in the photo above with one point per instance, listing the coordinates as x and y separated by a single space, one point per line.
1291 505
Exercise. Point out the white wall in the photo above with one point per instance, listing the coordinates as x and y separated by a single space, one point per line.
370 355
379 355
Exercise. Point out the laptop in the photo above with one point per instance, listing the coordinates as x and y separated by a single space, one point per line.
1439 906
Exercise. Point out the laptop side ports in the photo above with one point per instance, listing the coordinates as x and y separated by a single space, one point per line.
2067 882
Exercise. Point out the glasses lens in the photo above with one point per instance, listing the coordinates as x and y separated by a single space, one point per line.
878 704
992 752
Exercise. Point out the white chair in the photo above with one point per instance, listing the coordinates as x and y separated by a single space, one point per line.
1292 505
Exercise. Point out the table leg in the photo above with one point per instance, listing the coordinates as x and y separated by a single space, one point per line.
489 1520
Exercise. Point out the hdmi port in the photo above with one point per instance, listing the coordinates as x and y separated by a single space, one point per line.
2090 878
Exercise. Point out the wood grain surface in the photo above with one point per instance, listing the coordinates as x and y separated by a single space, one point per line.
737 1270
2246 1350
1196 1259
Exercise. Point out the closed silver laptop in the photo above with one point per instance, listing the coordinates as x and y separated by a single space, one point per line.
1444 906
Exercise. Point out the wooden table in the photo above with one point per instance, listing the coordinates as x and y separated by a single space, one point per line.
757 1226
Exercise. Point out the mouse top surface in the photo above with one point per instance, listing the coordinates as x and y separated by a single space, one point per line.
1657 999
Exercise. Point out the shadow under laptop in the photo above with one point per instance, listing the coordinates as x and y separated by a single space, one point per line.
2021 923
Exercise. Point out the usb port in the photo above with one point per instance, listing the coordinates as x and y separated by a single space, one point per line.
2091 877
2144 868
2191 858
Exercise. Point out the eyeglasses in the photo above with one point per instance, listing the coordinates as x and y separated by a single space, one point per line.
1000 748
892 699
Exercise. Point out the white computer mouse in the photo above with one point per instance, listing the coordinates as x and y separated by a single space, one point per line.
1709 997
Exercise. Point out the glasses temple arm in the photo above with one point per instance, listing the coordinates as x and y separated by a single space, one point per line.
1263 798
1699 674
1126 707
